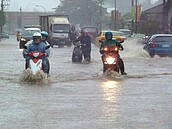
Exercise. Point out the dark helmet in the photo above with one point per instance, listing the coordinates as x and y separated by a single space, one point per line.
84 31
44 33
73 28
108 35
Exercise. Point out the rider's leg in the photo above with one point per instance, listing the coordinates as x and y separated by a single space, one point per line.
121 66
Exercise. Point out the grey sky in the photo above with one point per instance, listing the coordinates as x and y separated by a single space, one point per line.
30 5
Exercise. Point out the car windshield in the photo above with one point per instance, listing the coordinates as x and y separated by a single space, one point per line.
121 34
93 30
163 39
126 32
29 32
114 33
61 28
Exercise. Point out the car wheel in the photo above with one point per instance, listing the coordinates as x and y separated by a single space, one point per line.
151 55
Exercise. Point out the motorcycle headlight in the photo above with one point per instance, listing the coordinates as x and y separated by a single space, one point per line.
110 60
35 54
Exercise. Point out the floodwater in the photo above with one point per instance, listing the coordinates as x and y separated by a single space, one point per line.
78 95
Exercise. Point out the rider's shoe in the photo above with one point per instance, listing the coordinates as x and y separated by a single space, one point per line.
123 73
48 75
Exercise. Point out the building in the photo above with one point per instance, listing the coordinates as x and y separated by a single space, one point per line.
16 20
161 15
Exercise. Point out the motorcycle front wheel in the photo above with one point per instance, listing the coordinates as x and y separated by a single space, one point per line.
110 67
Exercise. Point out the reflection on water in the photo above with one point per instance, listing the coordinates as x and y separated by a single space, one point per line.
110 90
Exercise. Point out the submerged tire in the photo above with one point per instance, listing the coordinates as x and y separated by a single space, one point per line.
151 55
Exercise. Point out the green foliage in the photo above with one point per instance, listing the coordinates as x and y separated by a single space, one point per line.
2 18
127 16
84 12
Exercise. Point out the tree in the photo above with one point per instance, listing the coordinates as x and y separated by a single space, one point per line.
84 12
2 20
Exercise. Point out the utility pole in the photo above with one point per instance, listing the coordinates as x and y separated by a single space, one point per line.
100 15
136 17
2 10
3 4
132 22
20 18
115 11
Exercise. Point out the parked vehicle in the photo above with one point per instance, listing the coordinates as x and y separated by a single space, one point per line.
58 27
77 52
127 32
27 35
143 40
159 44
4 35
123 36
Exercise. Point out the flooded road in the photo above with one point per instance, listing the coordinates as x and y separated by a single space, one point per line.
80 96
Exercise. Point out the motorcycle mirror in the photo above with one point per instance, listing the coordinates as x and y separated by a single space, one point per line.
100 41
47 47
24 46
121 41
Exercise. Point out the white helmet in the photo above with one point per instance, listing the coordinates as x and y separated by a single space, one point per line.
37 34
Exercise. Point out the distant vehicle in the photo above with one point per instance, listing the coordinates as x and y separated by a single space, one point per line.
92 31
58 27
4 35
101 36
27 35
159 44
123 36
127 32
143 40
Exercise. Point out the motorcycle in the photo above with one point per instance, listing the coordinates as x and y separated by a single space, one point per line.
77 52
110 58
35 61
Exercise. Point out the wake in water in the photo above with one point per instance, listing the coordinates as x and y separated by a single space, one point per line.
113 74
27 76
117 76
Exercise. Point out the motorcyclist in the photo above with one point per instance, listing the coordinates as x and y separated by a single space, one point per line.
85 40
72 33
112 43
18 35
44 35
36 45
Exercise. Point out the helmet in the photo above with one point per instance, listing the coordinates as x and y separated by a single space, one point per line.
37 35
108 35
84 31
44 33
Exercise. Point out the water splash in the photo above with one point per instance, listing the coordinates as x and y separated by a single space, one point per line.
27 76
113 74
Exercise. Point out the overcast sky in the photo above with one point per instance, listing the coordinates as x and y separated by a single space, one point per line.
30 5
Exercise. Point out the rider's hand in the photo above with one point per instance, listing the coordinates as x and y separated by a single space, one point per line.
122 48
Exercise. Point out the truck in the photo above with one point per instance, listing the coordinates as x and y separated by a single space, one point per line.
58 27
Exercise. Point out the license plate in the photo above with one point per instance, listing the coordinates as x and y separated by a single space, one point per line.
62 42
165 45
